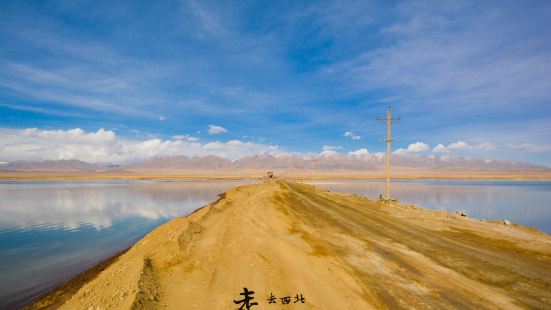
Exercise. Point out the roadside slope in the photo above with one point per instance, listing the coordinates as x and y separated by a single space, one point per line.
339 251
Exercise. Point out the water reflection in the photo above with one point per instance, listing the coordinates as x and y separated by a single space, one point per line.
524 202
70 206
50 231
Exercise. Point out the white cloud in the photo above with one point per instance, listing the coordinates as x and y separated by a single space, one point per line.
351 135
400 151
214 129
485 147
105 146
463 146
530 148
330 150
440 148
379 155
413 148
459 145
359 152
186 138
418 147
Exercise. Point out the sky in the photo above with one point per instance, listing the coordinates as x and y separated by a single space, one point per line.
121 81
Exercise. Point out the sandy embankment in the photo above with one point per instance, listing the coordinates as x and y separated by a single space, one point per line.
339 251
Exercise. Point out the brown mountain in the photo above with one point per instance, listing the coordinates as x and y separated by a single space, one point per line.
183 163
331 162
53 165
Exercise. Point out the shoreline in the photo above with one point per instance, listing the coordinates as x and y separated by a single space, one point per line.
188 232
56 296
256 175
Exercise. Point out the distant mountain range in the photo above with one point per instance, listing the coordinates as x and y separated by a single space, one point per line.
55 165
327 162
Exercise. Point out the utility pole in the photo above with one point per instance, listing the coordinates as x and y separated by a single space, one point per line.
388 141
313 169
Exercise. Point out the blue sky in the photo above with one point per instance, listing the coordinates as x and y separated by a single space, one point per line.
473 76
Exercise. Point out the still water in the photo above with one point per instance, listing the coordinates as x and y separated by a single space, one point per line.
51 231
524 202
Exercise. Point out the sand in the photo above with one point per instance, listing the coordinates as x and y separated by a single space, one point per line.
220 174
337 251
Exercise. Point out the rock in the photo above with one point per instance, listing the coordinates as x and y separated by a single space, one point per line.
506 222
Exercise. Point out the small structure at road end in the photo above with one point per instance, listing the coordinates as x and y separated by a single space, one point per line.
461 213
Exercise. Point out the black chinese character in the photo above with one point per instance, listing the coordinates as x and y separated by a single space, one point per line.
272 299
246 301
286 300
301 299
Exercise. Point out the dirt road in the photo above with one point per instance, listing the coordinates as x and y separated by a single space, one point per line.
323 250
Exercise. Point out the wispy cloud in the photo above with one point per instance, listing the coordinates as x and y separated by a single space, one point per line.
42 110
439 54
214 130
464 146
352 135
530 148
207 20
300 74
188 138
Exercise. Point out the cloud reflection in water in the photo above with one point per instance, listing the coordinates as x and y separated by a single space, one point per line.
69 206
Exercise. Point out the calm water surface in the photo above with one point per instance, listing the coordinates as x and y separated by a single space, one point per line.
523 202
51 231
